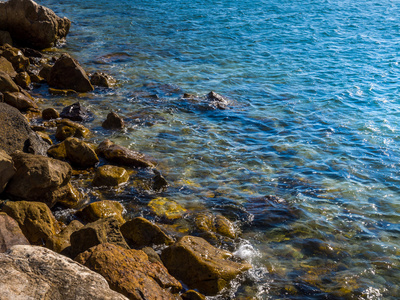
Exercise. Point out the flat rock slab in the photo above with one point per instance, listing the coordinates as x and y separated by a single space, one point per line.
32 272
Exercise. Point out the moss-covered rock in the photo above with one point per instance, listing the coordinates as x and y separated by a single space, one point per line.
166 208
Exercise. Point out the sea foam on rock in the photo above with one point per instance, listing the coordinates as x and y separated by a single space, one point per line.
32 25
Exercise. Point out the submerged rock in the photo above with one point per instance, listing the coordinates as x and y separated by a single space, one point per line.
200 265
131 273
76 112
7 169
16 134
217 101
102 79
31 24
113 121
141 233
38 178
10 233
35 220
166 208
108 175
29 272
68 74
122 156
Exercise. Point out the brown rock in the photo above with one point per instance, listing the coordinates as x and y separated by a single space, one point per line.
217 101
141 233
7 67
31 24
34 218
62 92
38 178
50 113
23 80
7 169
166 208
61 240
200 265
102 79
32 272
15 56
102 231
152 254
10 233
113 121
45 137
67 128
69 196
130 272
7 84
20 101
108 175
57 151
45 71
79 153
123 156
5 38
102 209
16 134
192 295
68 74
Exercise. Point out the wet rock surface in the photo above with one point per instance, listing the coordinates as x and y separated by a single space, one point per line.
76 112
109 175
113 121
102 79
67 128
130 272
29 272
50 113
80 154
20 101
102 209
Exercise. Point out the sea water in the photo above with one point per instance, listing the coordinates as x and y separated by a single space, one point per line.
313 118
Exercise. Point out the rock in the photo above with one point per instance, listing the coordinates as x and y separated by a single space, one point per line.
160 184
108 175
192 295
152 255
166 208
217 101
36 79
67 128
35 220
31 272
57 151
45 71
38 178
130 272
16 134
23 80
20 101
122 156
141 233
80 154
102 231
113 121
50 113
45 137
7 67
5 38
69 196
75 112
68 74
200 265
15 56
31 24
62 92
10 233
7 169
102 79
29 52
61 240
102 209
7 84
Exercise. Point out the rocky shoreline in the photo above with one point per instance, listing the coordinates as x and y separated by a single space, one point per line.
101 253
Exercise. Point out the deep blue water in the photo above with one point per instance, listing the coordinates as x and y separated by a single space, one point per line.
314 118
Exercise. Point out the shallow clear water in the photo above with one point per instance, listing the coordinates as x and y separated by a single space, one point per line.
314 119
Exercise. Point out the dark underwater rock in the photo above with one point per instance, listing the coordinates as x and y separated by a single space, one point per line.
76 112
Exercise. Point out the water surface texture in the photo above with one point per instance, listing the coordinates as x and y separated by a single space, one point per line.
313 119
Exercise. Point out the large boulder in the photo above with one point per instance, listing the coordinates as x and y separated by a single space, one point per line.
10 233
200 265
141 233
131 273
16 134
102 231
38 178
7 169
35 220
31 272
122 156
31 24
68 74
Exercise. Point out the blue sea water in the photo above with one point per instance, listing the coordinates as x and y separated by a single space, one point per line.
313 118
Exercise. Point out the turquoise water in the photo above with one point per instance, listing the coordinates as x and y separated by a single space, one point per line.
313 118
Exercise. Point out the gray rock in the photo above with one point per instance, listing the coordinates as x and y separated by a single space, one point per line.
31 24
16 134
31 272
